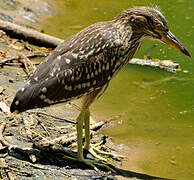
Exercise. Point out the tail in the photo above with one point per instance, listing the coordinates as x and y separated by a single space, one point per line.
27 98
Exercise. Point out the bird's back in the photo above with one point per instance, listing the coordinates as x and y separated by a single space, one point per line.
80 64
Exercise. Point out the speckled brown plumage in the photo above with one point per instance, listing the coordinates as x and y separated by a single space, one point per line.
88 60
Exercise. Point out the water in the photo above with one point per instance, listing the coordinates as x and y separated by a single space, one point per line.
156 107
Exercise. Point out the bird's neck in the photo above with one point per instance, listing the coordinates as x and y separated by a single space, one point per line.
131 40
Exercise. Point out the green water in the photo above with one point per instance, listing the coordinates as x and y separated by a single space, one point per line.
156 107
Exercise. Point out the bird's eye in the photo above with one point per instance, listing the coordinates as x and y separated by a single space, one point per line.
158 25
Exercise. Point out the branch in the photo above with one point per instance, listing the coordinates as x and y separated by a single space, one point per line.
29 35
168 65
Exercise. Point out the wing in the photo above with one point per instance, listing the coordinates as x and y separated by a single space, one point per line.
76 67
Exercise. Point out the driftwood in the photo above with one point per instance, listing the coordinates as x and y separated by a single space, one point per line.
29 35
168 65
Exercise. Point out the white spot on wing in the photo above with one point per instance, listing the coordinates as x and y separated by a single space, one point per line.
103 67
48 101
107 66
90 53
92 75
36 78
74 55
67 61
59 57
44 90
94 82
69 71
52 74
96 72
81 52
65 73
42 96
62 81
17 103
118 42
88 76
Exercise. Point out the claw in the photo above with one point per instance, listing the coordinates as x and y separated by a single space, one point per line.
93 150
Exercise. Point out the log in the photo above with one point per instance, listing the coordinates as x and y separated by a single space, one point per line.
167 65
30 35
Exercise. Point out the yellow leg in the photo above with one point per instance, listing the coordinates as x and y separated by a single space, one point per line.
80 158
87 129
91 148
80 134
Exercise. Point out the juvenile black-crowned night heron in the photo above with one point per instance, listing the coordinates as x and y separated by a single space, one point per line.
83 65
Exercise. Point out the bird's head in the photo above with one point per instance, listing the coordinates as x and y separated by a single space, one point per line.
152 25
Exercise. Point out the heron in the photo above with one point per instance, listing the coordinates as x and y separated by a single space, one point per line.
83 65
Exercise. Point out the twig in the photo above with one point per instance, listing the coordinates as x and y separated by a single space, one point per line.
29 67
168 65
75 105
45 129
3 141
45 114
4 165
10 176
29 35
12 59
4 107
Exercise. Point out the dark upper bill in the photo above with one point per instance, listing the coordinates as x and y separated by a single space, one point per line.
170 39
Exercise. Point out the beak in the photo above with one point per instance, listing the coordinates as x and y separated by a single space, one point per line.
170 39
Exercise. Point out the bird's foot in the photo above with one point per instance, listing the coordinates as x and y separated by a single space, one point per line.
91 163
95 151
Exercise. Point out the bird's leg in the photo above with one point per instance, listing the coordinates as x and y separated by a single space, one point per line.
85 114
89 147
80 134
80 156
87 129
84 117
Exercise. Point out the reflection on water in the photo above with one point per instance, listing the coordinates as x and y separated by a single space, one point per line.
157 107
